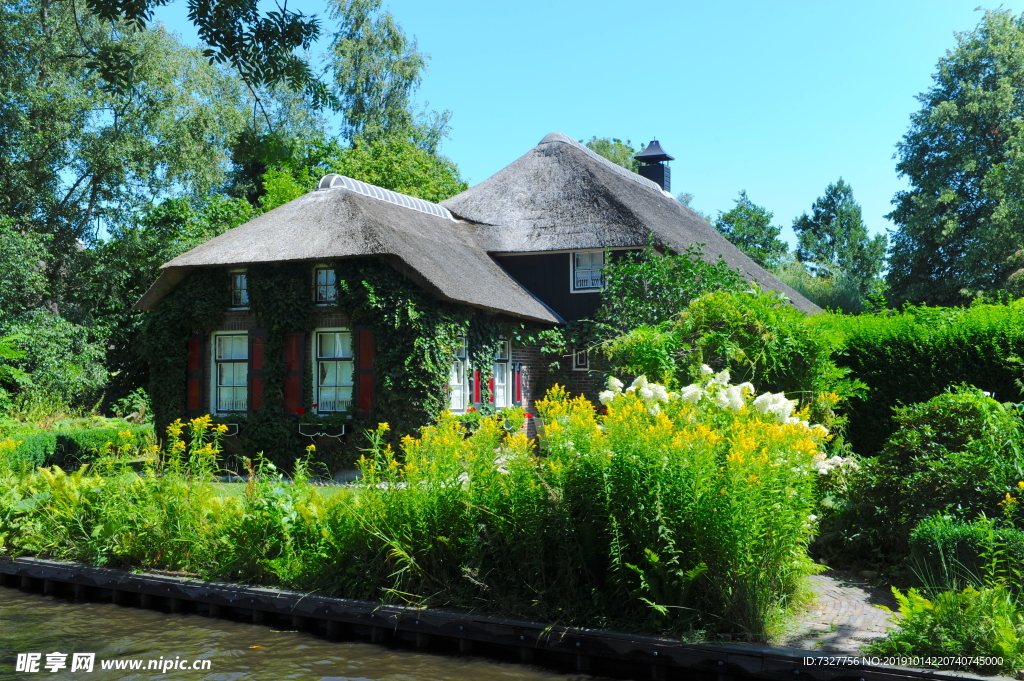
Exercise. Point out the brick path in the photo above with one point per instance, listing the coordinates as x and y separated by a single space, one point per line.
843 616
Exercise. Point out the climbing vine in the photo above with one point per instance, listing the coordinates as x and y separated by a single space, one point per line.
196 305
415 338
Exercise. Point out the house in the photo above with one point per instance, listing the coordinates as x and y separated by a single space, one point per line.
525 247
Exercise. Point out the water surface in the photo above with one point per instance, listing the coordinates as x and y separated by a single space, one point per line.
31 622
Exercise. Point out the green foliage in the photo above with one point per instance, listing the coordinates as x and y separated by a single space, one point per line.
63 360
70 448
986 623
651 288
646 351
947 553
957 454
958 225
914 355
839 292
615 150
23 283
399 164
691 525
833 240
376 69
197 304
748 227
759 337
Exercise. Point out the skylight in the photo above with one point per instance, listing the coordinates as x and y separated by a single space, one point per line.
334 181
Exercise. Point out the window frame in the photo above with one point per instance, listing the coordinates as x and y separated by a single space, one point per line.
215 372
572 270
316 359
463 361
317 285
576 364
244 305
506 363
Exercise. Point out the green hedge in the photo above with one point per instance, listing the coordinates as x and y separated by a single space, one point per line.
949 553
71 448
916 354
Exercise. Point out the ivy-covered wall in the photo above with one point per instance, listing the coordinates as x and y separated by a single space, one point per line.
415 336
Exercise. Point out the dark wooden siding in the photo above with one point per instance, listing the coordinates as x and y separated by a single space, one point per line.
547 276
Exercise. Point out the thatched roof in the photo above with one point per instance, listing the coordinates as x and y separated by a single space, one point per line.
422 241
562 196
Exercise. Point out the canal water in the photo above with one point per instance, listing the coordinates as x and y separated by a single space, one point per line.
236 651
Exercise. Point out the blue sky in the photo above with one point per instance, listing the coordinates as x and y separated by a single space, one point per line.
776 98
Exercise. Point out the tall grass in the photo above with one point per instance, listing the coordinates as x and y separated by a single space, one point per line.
679 514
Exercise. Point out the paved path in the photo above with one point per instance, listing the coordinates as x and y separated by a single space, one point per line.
843 616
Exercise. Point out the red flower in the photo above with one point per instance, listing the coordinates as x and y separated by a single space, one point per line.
471 409
315 406
528 415
300 411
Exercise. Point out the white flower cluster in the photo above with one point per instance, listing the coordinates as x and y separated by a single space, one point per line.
650 393
715 387
825 466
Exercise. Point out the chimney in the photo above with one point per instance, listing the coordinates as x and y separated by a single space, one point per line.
652 166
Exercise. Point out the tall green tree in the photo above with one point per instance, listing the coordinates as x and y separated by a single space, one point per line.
376 69
833 240
615 150
749 227
960 222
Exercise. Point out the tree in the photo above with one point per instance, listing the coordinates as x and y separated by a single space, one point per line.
376 69
833 241
959 224
748 227
615 150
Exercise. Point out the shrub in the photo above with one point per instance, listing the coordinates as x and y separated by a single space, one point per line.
956 454
71 448
986 623
916 354
673 512
949 553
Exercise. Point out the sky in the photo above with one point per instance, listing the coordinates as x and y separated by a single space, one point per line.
779 99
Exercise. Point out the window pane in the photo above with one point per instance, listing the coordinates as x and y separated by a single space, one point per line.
335 373
239 290
334 345
335 399
503 349
232 347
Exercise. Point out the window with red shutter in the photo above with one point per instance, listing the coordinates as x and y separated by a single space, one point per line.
293 347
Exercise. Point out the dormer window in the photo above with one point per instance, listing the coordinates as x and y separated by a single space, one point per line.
586 270
326 285
239 289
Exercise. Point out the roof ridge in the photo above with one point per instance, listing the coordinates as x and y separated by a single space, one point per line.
336 181
628 174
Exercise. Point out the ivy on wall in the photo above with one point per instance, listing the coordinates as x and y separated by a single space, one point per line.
415 337
196 305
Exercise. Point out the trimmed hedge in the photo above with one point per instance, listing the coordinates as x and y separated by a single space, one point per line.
949 553
916 354
71 448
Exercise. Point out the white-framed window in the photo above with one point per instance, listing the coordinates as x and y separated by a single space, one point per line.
586 271
239 289
335 370
580 360
502 390
458 379
230 372
326 285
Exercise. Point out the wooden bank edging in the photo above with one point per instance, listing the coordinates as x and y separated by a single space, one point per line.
657 657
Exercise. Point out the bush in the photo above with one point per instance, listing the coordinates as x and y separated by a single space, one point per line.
914 355
71 448
670 513
834 293
957 454
986 623
949 553
64 360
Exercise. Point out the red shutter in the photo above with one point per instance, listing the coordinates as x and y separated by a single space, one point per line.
365 377
257 345
293 372
476 386
490 385
195 372
517 378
